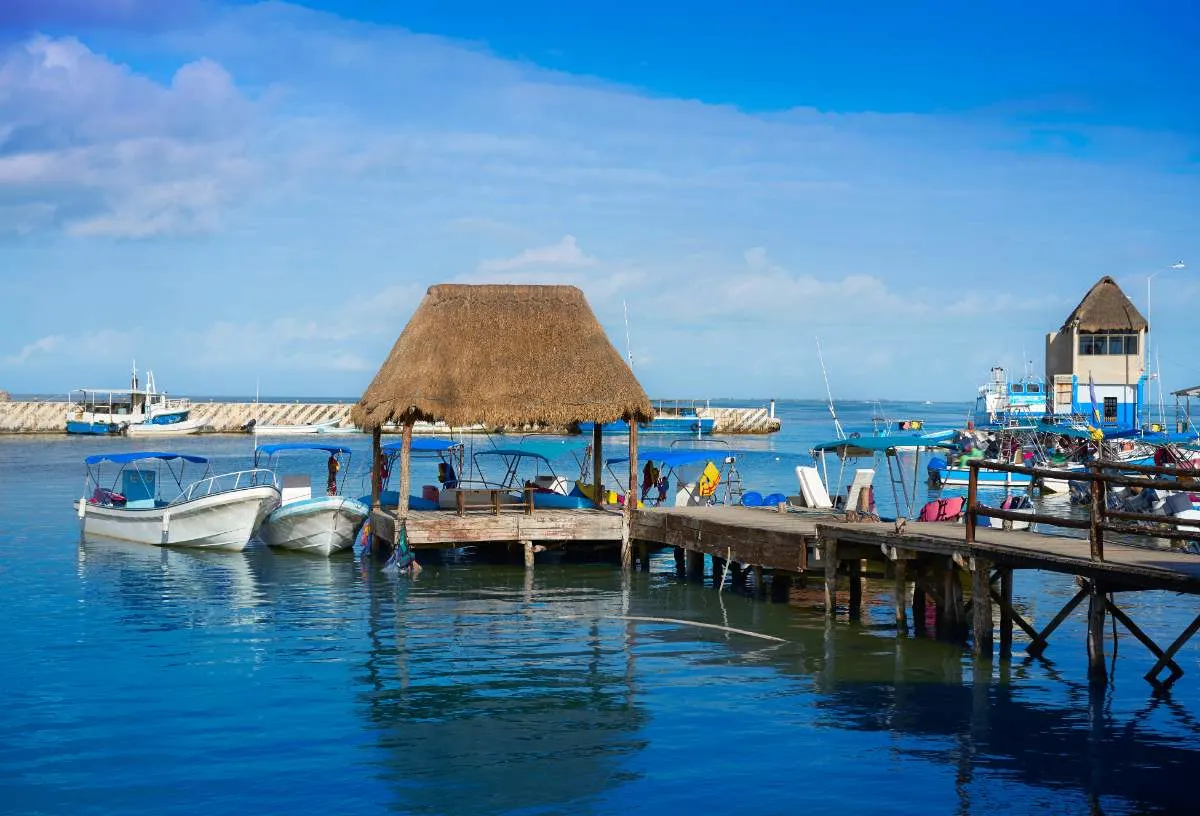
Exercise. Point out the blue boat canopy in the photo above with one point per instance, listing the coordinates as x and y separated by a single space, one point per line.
271 450
135 456
879 444
425 444
513 452
675 457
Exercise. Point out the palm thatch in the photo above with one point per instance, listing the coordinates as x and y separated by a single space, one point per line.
502 356
1105 308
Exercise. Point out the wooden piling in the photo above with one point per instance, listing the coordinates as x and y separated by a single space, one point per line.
981 607
1006 620
831 567
854 571
781 586
718 570
739 574
918 605
680 562
528 546
1097 671
900 599
597 466
695 565
631 496
376 469
760 586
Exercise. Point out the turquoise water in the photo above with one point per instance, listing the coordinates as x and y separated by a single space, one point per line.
140 680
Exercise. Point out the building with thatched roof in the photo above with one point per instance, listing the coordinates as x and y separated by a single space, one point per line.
1100 347
502 356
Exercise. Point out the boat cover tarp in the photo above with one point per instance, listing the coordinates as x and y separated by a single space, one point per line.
879 444
271 450
134 456
424 444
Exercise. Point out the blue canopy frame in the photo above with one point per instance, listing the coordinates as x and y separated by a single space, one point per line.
134 456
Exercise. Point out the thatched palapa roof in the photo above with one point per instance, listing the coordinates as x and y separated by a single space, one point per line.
502 356
1105 308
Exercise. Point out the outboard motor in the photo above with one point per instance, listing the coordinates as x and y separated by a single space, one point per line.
934 471
249 426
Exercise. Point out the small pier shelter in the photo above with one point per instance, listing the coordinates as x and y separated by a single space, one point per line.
1099 348
501 355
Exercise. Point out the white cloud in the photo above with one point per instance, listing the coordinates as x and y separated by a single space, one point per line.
43 345
566 253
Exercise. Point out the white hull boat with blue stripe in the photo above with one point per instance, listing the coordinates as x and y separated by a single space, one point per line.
321 525
958 476
215 513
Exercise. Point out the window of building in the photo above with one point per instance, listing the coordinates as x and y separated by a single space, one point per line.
1110 409
1033 388
1095 344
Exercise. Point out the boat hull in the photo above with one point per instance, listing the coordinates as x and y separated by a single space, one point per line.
295 430
321 526
222 521
987 478
181 428
658 425
92 428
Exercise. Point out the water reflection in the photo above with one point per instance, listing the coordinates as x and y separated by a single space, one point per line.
514 693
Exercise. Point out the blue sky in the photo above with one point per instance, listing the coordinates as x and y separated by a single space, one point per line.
244 192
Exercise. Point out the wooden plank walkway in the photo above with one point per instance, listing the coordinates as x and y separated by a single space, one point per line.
445 528
792 541
1140 567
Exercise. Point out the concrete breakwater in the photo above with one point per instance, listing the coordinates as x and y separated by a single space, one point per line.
28 417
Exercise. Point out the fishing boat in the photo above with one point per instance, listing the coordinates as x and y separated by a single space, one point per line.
321 524
136 411
215 512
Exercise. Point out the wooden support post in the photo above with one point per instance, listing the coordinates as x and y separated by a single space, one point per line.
918 605
981 607
1169 653
1096 531
739 574
901 595
781 587
376 469
460 502
405 479
760 586
680 562
1006 619
631 497
1097 671
831 567
528 546
530 490
1042 639
643 554
1134 630
718 570
597 465
854 571
695 568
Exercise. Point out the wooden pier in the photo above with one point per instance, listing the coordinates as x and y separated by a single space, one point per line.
964 571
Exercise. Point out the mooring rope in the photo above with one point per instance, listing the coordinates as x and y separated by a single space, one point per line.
698 624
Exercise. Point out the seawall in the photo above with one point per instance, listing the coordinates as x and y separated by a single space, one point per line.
25 417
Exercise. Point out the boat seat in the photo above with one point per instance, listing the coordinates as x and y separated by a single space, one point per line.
863 478
296 487
812 489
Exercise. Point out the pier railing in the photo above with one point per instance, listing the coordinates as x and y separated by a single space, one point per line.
1100 475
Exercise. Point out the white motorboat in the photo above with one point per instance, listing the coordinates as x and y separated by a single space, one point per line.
180 428
291 430
217 512
322 524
